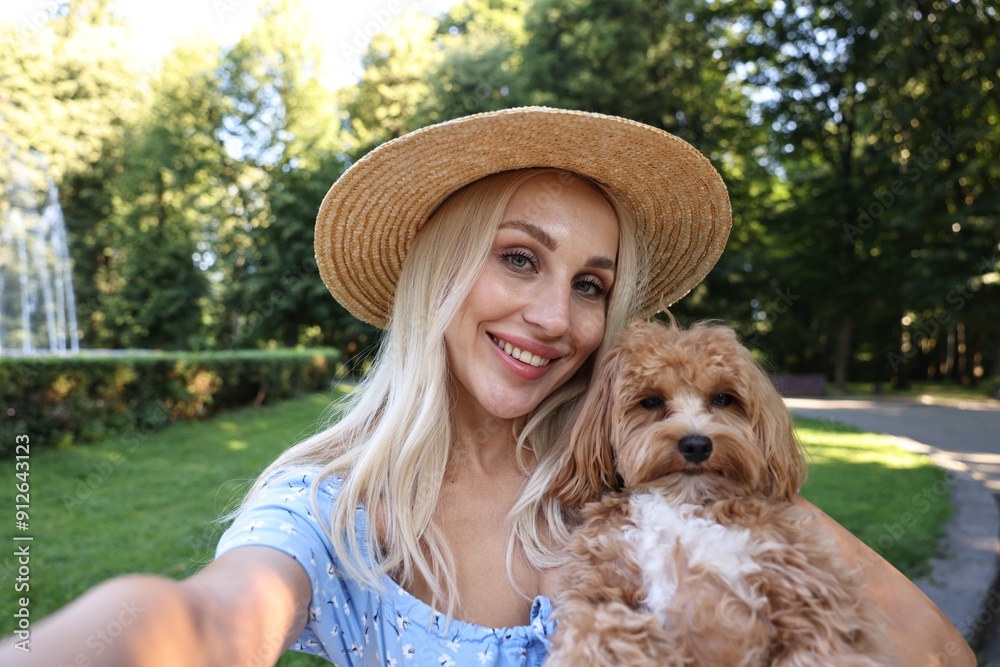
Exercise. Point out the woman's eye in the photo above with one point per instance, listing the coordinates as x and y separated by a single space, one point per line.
591 288
518 260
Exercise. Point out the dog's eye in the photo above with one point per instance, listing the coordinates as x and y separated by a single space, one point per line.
721 400
651 402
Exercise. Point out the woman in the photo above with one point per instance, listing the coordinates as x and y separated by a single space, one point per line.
500 252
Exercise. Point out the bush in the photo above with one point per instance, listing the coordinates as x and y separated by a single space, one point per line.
61 401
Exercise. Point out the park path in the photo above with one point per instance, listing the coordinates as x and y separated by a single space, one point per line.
964 437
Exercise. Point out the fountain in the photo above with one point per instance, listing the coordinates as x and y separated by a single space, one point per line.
37 304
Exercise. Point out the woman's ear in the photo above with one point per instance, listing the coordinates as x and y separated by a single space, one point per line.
587 467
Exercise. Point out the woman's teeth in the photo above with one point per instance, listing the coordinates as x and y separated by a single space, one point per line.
523 356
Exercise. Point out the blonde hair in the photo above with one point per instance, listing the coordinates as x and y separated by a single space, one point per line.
392 445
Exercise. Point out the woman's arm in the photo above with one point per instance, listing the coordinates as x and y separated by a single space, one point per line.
922 635
244 609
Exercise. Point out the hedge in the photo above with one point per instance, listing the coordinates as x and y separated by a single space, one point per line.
66 400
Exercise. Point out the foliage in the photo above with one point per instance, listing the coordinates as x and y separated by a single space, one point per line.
170 188
393 84
286 149
870 108
62 401
858 140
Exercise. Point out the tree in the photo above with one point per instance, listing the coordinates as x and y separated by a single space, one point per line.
943 116
283 137
67 97
479 65
664 64
172 187
845 91
394 83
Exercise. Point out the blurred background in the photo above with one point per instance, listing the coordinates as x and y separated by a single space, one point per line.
160 169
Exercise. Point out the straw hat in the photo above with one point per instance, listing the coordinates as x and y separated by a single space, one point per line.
371 214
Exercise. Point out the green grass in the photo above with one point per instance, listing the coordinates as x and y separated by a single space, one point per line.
895 501
141 504
150 503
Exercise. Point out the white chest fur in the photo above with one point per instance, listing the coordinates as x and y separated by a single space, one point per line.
671 540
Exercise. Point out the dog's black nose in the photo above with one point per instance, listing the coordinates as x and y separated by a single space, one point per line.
695 448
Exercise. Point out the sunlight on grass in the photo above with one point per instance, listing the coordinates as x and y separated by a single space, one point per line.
825 445
895 501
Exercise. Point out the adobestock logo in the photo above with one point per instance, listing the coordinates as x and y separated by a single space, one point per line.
886 197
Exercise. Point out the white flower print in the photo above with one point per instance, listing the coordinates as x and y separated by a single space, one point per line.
454 646
390 662
484 657
287 528
402 621
408 651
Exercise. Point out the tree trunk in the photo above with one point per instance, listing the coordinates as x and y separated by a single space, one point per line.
291 334
843 352
963 354
902 379
948 367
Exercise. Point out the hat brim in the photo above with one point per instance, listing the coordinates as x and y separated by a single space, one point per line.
369 217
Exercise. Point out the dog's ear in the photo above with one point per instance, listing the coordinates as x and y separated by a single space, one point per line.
772 425
587 466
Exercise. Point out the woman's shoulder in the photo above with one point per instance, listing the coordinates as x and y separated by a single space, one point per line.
280 512
302 476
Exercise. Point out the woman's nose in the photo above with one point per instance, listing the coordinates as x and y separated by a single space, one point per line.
549 309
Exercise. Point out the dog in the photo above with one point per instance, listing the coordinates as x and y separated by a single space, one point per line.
691 551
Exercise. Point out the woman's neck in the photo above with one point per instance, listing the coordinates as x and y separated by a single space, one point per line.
487 447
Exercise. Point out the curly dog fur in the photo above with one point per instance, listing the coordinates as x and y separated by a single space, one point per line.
697 555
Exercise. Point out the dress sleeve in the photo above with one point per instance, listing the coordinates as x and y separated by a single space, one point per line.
280 516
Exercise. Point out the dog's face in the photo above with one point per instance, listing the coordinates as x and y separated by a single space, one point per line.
688 405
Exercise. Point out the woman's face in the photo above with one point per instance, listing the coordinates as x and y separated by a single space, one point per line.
537 309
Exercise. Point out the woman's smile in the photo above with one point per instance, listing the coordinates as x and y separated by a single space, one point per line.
524 356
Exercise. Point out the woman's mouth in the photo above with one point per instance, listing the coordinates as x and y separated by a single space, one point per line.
523 356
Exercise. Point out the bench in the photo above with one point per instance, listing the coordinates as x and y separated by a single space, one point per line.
800 384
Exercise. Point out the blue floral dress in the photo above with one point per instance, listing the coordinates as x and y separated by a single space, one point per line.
352 624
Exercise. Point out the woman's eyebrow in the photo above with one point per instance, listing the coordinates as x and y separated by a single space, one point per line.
540 235
534 231
601 262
